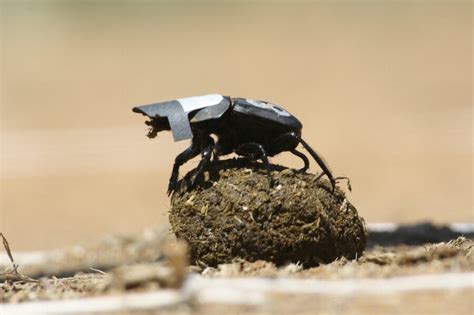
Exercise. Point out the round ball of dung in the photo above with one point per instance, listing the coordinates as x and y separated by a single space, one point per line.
235 211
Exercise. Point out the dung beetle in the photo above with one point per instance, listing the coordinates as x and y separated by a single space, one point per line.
250 128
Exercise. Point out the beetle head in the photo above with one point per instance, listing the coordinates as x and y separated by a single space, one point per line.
156 125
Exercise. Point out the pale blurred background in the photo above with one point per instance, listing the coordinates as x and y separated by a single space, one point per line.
383 88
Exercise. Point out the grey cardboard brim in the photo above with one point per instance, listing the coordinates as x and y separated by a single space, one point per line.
175 112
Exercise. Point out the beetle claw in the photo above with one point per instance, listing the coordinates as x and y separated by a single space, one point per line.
190 182
172 187
333 184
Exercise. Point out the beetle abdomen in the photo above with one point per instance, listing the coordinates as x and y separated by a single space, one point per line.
266 111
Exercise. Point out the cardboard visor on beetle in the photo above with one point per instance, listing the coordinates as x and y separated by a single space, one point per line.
211 106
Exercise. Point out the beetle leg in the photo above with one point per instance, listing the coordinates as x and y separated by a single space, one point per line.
288 142
256 151
303 157
183 157
321 162
215 157
206 154
222 147
284 143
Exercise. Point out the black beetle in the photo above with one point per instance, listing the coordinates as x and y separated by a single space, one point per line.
250 128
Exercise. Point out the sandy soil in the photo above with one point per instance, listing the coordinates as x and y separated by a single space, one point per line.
153 261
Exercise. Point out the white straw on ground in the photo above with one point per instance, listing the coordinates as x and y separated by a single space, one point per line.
244 291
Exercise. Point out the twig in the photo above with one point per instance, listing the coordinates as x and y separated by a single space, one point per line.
14 274
7 248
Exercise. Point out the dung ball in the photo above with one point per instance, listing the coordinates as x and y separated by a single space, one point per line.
236 211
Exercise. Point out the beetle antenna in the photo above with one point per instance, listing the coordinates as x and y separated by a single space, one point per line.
321 162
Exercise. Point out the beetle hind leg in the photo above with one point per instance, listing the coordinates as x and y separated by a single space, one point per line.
289 141
304 158
321 162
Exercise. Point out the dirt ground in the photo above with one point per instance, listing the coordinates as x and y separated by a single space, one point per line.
162 272
153 261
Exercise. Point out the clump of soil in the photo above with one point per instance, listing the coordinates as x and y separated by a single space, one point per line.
234 211
115 264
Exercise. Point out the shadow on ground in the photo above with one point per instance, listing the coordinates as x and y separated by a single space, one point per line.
415 234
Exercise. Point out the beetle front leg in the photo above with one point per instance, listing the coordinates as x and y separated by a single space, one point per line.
183 157
206 154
